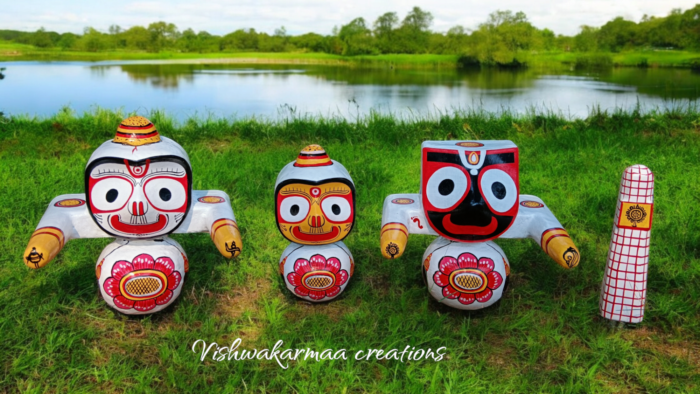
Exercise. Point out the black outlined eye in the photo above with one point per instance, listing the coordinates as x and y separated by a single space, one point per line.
165 194
499 190
336 209
446 187
294 209
110 194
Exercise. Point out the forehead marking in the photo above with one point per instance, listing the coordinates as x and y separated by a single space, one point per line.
137 171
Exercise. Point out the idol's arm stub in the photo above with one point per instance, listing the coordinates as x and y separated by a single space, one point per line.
43 246
536 221
402 214
559 246
393 240
66 218
227 238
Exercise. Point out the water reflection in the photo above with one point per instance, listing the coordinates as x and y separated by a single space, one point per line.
245 90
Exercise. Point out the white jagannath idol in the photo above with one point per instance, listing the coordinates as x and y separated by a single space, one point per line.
469 196
138 189
315 210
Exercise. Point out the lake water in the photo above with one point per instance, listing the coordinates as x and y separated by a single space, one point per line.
184 90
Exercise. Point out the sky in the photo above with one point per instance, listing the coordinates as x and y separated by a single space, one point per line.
319 16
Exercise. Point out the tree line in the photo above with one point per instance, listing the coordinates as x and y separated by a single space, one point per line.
505 38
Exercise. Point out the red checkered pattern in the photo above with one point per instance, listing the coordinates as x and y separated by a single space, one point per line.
623 294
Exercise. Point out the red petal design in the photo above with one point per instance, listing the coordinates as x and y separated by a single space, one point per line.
333 291
122 303
165 265
111 287
495 280
164 298
302 291
302 266
484 295
441 279
450 292
466 299
333 265
486 265
448 264
145 305
317 262
317 295
294 279
121 268
341 277
467 260
143 262
174 280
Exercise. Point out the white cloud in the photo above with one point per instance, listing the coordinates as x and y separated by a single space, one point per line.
224 16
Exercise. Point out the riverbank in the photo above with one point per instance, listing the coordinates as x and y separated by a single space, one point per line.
18 52
648 58
544 335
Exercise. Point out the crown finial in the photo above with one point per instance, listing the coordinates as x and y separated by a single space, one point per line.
313 156
136 131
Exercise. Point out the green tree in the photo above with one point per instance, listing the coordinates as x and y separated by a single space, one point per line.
385 24
67 41
505 39
240 40
310 41
384 28
41 39
162 35
92 40
414 33
548 39
617 34
137 37
456 41
587 39
357 38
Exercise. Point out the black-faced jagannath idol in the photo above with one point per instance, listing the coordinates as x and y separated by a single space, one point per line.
138 189
469 196
315 209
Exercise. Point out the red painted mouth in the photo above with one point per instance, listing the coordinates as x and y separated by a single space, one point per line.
156 226
315 237
469 230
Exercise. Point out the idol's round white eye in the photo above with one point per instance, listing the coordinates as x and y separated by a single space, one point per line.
446 187
294 209
165 194
110 194
499 190
336 209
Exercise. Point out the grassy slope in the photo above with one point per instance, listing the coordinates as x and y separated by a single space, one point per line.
57 335
14 52
654 58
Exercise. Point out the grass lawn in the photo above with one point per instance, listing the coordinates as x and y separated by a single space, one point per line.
652 58
10 51
57 335
15 52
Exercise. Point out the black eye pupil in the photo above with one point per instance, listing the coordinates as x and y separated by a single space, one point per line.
446 187
498 190
336 209
112 195
294 210
165 194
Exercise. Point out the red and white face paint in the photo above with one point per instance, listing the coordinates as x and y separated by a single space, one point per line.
138 200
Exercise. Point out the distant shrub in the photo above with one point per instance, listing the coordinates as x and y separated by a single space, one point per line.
594 60
468 61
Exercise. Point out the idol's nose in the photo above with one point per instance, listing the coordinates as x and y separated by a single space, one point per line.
138 208
316 221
